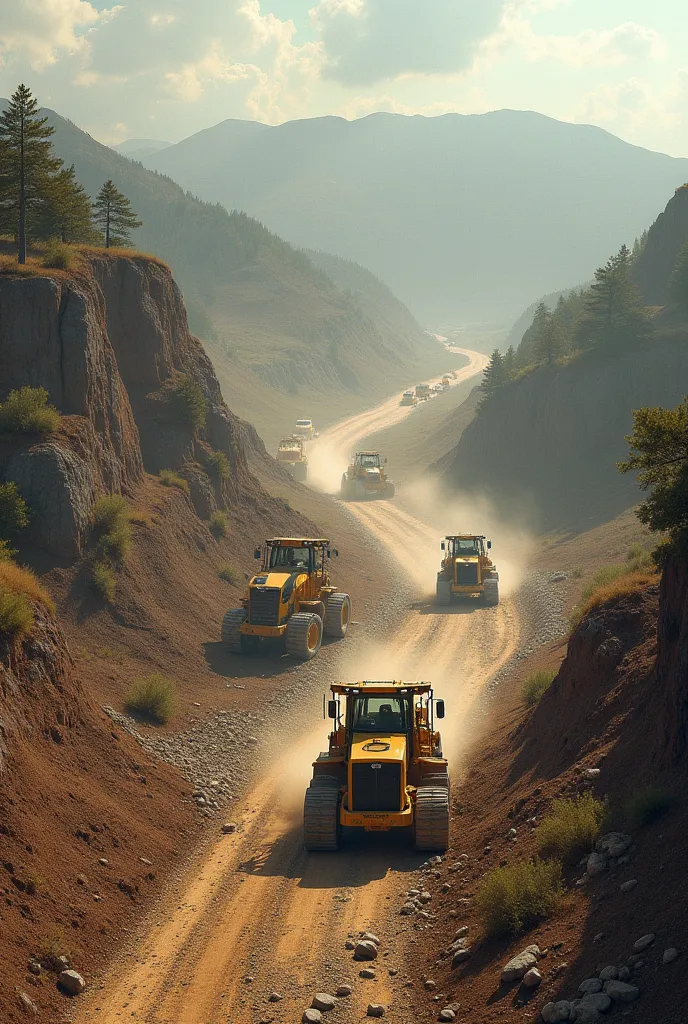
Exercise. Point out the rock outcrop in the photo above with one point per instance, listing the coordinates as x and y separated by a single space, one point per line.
669 232
108 342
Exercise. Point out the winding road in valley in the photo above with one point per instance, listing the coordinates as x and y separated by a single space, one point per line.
257 914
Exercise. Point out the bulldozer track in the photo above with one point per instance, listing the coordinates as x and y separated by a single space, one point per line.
255 912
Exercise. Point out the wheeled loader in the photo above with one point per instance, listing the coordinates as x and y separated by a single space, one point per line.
384 768
291 453
467 570
366 478
291 597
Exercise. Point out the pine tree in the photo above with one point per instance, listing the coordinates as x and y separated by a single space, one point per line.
614 311
27 165
494 377
68 213
114 215
509 362
547 341
678 285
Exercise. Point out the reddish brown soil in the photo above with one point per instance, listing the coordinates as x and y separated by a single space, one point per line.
595 714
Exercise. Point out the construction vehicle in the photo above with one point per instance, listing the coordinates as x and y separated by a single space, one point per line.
409 398
305 429
467 570
366 478
291 597
422 392
291 453
384 768
447 380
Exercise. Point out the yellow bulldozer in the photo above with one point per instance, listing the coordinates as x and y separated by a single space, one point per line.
291 597
384 768
291 453
366 478
467 570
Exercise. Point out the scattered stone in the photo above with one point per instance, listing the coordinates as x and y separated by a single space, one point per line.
375 1010
624 974
512 833
408 909
430 984
630 884
72 982
446 1014
81 880
461 932
515 969
365 950
369 937
27 1004
644 941
368 973
229 827
614 844
104 862
532 978
323 1001
343 991
349 944
591 773
590 986
598 937
621 991
595 1001
34 967
144 860
596 864
608 974
446 888
274 997
552 1013
311 1017
461 956
669 956
424 897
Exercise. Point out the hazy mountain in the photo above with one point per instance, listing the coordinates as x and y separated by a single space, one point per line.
465 216
138 149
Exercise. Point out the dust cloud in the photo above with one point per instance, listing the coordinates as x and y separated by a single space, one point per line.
327 460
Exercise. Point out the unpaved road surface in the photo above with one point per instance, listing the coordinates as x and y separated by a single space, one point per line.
257 914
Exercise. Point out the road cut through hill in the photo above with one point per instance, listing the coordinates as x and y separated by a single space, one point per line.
256 916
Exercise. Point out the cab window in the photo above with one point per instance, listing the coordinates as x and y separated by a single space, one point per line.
380 714
291 559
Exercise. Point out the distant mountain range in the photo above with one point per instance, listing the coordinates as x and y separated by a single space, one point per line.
138 149
464 216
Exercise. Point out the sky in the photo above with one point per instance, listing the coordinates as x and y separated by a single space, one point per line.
164 69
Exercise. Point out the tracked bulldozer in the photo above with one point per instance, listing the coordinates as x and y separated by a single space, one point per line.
467 570
366 478
290 598
384 768
291 453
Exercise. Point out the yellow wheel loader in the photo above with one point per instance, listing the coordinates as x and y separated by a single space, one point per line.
291 597
291 453
467 570
384 768
366 478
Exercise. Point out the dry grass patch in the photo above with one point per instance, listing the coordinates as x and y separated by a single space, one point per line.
513 897
15 579
168 478
218 525
27 411
154 697
230 574
111 520
536 684
103 581
569 831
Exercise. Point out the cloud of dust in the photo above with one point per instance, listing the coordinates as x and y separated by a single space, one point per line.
326 462
295 768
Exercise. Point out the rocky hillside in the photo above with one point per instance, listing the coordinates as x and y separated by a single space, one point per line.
547 447
655 264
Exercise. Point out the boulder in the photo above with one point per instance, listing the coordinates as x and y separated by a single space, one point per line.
596 864
323 1001
608 974
311 1017
365 950
369 937
515 969
461 956
532 978
614 844
644 941
595 1001
343 991
72 982
669 956
590 986
553 1013
375 1010
621 991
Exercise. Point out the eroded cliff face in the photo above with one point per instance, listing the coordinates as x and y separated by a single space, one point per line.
107 343
672 660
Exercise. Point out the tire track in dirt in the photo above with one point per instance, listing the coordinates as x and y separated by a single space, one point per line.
256 905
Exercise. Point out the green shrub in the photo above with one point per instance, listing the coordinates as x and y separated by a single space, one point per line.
513 897
58 254
111 520
230 574
536 684
103 581
219 524
16 615
648 804
14 512
6 552
217 465
171 479
571 828
188 403
27 411
153 696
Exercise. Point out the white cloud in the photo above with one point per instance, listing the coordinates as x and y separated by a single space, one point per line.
644 113
39 31
367 41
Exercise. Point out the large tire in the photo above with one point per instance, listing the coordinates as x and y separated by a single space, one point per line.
321 817
345 488
337 615
358 491
232 637
491 591
390 490
324 781
304 635
300 471
431 825
444 592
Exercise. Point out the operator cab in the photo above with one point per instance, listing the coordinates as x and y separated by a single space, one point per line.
381 714
369 460
465 547
289 559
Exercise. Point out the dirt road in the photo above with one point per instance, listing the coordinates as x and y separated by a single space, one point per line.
257 914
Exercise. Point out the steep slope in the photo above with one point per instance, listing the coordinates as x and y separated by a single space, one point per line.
549 444
464 216
258 299
669 232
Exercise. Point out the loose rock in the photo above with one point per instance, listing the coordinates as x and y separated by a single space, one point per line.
311 1017
608 974
343 991
630 884
368 973
365 950
323 1001
461 956
515 969
27 1004
72 982
552 1013
644 941
274 997
590 986
669 956
599 1001
375 1010
229 827
621 991
369 937
532 978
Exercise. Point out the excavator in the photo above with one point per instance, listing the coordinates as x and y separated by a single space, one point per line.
292 598
384 768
